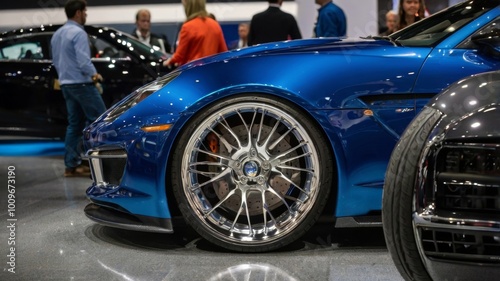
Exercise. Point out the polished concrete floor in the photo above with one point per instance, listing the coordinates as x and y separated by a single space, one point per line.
55 241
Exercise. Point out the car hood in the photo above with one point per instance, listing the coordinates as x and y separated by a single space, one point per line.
468 95
469 109
348 46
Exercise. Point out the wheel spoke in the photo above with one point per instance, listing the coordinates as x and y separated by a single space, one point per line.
291 198
228 128
271 189
282 137
208 163
231 193
216 178
243 207
273 219
245 201
290 150
245 124
283 176
247 128
266 142
212 154
236 219
307 154
264 211
204 173
311 171
261 125
223 140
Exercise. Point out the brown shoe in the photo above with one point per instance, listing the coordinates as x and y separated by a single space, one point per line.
80 171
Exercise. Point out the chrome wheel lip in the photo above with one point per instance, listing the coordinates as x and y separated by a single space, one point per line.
250 180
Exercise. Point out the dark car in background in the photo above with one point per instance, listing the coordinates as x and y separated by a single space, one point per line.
441 200
33 105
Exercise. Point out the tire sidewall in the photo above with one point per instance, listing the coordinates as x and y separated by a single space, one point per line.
399 194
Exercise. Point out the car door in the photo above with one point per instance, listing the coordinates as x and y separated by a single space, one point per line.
29 104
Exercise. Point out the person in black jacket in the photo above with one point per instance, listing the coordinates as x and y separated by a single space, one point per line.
273 25
143 32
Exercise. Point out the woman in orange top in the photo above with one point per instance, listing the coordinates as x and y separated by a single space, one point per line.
200 35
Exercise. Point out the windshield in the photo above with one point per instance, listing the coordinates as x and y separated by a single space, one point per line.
125 41
430 31
140 47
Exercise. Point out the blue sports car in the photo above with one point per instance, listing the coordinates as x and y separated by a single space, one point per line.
252 146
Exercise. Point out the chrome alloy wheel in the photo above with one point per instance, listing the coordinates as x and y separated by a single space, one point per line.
250 173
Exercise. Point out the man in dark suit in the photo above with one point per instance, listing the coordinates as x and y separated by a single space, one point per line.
143 32
273 25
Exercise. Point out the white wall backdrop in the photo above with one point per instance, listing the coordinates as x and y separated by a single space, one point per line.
361 15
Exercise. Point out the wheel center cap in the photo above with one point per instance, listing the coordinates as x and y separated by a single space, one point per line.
251 169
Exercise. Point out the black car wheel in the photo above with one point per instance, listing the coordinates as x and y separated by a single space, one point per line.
251 173
398 197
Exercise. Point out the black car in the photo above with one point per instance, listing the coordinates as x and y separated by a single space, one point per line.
441 199
32 103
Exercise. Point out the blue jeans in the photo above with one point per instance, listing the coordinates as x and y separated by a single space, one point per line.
84 105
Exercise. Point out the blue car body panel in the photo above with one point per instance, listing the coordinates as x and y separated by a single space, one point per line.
392 82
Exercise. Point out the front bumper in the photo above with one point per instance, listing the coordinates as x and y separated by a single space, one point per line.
117 205
457 222
466 240
114 218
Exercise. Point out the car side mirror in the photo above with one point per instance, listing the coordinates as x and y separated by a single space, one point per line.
489 41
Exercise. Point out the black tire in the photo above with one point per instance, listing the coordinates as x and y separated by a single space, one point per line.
240 195
397 202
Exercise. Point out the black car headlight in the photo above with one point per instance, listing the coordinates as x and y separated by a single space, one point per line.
139 95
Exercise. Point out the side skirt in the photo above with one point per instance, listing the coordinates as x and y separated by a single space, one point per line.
364 221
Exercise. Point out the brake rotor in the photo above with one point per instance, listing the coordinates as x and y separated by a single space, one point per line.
254 200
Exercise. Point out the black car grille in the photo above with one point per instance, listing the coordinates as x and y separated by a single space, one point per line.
469 179
108 166
461 244
478 159
466 193
113 169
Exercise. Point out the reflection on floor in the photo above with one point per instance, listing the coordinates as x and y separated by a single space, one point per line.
55 241
31 147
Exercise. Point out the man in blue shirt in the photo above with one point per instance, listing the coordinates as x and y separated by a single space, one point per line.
77 75
331 20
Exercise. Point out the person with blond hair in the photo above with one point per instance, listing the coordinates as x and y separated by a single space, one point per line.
391 23
200 35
